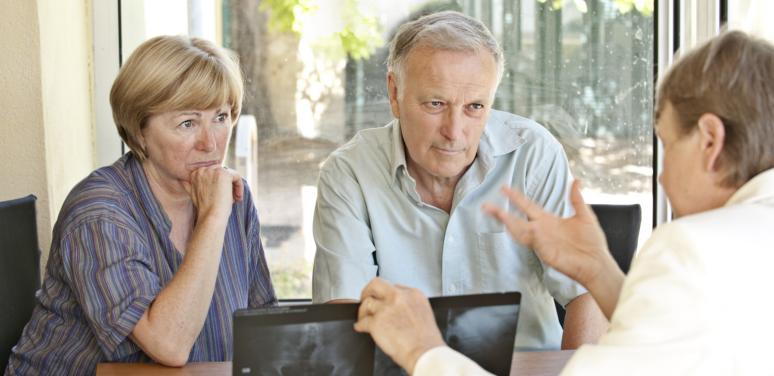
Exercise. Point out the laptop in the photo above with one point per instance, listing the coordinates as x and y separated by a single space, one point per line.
318 339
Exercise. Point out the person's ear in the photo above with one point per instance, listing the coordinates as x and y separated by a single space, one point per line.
712 132
392 90
139 138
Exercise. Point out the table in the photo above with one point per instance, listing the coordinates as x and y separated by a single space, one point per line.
540 363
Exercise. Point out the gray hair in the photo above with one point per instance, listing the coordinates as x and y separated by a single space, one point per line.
731 76
448 30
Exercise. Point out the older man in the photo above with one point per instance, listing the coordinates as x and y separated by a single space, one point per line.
403 201
695 300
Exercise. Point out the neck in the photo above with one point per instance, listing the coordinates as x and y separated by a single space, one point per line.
171 194
434 190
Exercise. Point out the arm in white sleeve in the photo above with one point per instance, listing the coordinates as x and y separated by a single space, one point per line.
443 360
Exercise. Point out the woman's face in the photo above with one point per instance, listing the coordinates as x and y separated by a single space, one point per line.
179 142
688 180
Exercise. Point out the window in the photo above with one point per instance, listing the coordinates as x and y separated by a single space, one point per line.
315 75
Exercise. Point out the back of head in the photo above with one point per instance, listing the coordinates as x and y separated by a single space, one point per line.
449 31
170 73
731 76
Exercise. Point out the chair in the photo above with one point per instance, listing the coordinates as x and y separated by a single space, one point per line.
621 225
19 270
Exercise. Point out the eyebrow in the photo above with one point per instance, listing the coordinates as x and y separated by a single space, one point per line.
199 114
194 113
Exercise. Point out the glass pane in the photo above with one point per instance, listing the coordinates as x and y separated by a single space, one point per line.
750 16
315 75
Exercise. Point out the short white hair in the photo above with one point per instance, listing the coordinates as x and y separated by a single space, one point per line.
449 31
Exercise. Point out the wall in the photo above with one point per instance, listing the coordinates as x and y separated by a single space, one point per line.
65 61
22 140
47 142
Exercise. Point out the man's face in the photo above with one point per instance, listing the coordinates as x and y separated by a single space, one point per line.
442 101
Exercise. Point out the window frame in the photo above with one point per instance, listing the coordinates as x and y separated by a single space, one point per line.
678 24
681 24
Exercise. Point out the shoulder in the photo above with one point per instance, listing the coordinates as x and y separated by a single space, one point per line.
105 194
743 227
728 222
369 149
508 132
710 240
246 207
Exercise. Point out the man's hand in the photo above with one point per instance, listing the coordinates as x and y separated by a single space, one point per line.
400 321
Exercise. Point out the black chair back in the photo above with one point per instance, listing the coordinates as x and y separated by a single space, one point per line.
19 270
621 225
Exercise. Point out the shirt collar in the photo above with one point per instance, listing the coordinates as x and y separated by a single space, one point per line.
398 158
503 133
759 189
145 195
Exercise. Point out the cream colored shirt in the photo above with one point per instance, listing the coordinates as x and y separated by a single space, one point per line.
696 301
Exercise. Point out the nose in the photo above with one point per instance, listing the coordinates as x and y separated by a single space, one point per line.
452 127
206 139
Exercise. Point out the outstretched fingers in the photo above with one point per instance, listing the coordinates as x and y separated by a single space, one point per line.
518 199
576 198
517 227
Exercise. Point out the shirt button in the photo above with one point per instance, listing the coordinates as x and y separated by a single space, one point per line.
451 240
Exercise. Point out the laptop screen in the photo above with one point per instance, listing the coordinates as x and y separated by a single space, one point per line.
482 327
318 339
301 340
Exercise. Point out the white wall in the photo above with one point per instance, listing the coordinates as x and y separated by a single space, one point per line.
47 130
22 144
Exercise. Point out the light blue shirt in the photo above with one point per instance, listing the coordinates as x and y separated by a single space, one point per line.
370 220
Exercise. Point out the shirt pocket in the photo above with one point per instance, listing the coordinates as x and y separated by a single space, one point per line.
505 265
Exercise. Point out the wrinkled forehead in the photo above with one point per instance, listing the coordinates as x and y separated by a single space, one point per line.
474 68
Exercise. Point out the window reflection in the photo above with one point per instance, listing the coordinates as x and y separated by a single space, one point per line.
315 75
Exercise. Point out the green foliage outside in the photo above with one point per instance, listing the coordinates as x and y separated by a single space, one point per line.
359 38
292 281
286 14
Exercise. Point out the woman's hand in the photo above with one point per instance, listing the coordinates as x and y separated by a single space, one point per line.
214 190
575 246
400 321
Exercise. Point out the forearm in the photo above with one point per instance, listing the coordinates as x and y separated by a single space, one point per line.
584 323
170 326
443 361
605 286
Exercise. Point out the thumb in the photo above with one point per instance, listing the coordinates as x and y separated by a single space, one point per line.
363 324
237 185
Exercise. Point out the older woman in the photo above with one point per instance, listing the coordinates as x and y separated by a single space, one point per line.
696 297
151 256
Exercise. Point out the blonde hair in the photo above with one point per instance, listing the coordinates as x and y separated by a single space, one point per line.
170 73
731 76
